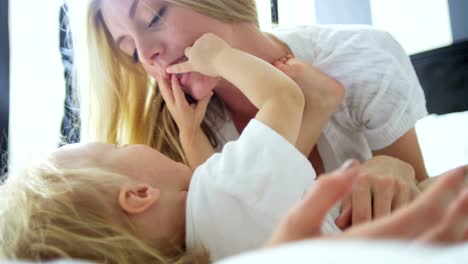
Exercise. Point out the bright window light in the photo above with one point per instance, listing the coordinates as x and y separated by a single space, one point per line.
37 85
264 14
418 25
296 12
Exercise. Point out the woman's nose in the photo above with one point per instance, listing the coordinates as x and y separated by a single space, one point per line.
150 54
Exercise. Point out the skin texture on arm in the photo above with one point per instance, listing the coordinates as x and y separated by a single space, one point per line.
407 149
385 184
278 98
395 177
197 147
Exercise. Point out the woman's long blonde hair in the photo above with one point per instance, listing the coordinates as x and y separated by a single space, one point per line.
119 102
52 211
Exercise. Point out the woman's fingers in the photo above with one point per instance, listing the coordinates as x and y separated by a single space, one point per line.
383 192
402 196
362 200
422 218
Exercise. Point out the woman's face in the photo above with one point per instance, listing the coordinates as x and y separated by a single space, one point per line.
155 33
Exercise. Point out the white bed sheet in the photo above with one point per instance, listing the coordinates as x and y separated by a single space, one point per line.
444 141
362 252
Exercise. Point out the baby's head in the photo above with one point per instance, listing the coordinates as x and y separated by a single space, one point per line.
97 202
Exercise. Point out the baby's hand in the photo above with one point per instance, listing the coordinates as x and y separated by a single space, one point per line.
201 56
188 117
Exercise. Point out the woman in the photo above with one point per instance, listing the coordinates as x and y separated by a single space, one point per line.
130 41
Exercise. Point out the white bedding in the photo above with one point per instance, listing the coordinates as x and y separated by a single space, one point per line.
347 252
342 252
444 141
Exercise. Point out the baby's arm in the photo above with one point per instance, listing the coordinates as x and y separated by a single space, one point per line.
322 93
278 98
188 117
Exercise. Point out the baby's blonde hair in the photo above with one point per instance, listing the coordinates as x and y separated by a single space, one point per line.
52 211
119 102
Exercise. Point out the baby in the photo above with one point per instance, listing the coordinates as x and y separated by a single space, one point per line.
119 203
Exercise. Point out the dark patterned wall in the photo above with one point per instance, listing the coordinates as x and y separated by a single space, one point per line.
4 81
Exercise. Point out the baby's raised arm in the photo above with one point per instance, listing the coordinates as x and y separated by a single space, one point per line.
278 98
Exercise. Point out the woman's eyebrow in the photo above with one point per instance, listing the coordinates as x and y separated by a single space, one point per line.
131 14
133 9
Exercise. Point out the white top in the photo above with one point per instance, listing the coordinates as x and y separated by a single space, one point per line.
237 197
383 96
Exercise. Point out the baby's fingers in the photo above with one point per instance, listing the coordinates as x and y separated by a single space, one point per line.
179 95
166 91
180 68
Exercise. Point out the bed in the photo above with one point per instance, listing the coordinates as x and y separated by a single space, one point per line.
444 141
362 252
443 136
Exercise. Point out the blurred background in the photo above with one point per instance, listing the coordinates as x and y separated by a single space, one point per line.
34 57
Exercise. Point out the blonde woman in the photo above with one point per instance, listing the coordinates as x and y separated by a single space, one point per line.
128 43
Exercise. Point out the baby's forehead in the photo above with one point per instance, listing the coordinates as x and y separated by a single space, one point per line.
80 153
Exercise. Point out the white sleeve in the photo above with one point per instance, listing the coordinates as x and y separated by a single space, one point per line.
383 96
238 196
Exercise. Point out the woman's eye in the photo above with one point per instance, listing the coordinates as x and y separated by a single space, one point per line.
157 17
135 56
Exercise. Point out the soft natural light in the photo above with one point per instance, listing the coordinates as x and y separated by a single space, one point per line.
264 14
419 25
296 12
37 85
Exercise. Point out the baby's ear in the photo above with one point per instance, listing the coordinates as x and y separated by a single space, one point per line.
136 198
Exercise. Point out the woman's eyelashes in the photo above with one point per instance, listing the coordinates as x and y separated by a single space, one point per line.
157 18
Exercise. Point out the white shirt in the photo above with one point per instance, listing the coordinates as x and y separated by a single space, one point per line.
383 96
237 197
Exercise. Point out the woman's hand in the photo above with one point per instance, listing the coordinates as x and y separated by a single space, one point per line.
188 117
202 56
437 216
385 184
305 220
